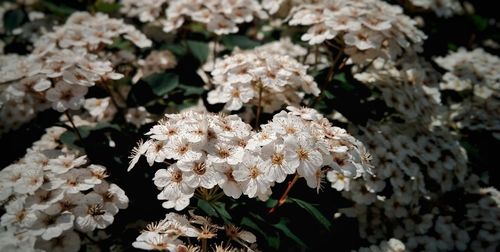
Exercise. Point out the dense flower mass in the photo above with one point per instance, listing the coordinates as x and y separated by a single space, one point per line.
220 150
62 66
51 194
220 17
300 125
366 29
260 78
478 74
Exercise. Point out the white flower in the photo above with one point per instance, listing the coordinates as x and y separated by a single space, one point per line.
198 173
113 196
338 180
179 203
226 180
17 214
91 213
172 183
251 174
64 96
51 226
301 153
68 241
64 163
43 199
154 241
278 167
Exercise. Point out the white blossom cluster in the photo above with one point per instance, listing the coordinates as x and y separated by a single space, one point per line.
61 67
260 78
478 74
409 85
157 62
392 245
210 150
442 8
171 232
219 16
417 171
366 29
52 194
145 10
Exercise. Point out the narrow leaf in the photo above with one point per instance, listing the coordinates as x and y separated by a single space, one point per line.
282 226
312 210
206 207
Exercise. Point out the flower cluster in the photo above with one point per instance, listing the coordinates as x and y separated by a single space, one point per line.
409 85
477 74
62 66
212 150
145 10
157 62
51 194
168 233
260 78
393 245
442 8
220 17
366 29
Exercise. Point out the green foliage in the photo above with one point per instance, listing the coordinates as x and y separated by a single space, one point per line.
313 211
163 83
198 49
13 19
243 42
106 7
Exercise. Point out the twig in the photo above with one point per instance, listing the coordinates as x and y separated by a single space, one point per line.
74 126
283 198
259 106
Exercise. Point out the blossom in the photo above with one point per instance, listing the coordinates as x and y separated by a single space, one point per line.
251 174
92 213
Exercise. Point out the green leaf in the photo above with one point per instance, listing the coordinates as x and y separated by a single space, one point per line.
340 77
162 83
312 210
191 90
247 222
480 22
58 9
177 49
199 49
69 138
282 226
328 94
206 207
102 6
13 19
220 207
122 44
243 42
273 241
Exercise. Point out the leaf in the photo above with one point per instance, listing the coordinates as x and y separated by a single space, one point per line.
69 138
13 19
58 9
243 42
206 207
177 49
191 90
481 23
103 6
282 226
199 49
122 44
220 207
162 83
247 222
312 210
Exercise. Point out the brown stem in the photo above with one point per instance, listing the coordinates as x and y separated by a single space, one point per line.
283 197
259 107
204 245
70 119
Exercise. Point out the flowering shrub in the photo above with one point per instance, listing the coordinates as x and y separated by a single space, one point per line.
249 125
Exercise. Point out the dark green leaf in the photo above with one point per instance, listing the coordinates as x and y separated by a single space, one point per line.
191 90
162 83
103 6
282 226
328 94
340 77
480 22
247 222
122 44
199 49
13 19
206 207
220 207
243 42
177 49
312 210
273 241
69 138
58 9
